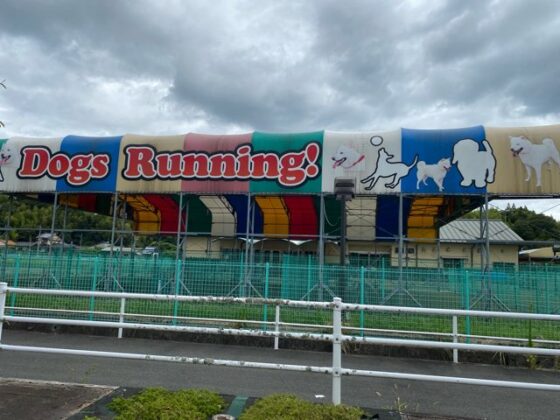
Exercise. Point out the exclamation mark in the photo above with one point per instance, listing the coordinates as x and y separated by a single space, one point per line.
312 152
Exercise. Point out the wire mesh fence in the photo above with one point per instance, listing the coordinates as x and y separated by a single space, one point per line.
532 289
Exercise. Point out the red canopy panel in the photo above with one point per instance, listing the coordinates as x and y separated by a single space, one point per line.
303 216
169 212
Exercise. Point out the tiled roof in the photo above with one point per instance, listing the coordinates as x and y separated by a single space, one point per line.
463 230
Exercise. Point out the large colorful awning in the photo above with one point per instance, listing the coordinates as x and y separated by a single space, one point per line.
264 184
520 161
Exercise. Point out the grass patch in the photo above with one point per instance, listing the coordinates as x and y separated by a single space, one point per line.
161 404
288 407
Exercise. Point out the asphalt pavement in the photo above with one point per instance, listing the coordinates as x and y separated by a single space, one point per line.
453 400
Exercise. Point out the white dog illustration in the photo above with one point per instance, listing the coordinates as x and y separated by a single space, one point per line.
474 165
8 158
348 159
436 171
534 155
395 171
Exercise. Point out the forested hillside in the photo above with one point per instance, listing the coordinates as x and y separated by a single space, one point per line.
30 214
528 224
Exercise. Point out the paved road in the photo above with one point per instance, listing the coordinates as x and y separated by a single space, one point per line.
423 397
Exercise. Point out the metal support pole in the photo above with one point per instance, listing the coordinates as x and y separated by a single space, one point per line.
121 315
321 244
276 326
455 340
109 279
337 351
3 293
247 246
53 222
401 239
487 239
342 288
178 241
7 237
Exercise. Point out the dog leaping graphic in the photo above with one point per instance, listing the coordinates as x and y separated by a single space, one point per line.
393 171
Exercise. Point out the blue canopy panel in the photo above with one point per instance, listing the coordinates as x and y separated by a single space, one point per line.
460 160
95 151
387 216
239 204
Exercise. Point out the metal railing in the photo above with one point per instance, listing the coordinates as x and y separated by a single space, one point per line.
336 337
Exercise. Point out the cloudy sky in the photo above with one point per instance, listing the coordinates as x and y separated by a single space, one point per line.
165 67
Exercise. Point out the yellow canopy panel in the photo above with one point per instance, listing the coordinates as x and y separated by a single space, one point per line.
146 217
223 216
275 216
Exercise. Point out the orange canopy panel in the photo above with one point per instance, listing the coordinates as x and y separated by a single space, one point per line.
146 217
223 216
70 200
303 216
275 215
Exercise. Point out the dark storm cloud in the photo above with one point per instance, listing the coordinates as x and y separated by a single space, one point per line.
174 66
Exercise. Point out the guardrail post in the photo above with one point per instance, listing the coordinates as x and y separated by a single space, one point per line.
455 340
467 304
121 315
15 284
3 292
276 327
337 351
265 307
362 299
93 288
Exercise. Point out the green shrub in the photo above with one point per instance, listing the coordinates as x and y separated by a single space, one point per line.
160 404
286 407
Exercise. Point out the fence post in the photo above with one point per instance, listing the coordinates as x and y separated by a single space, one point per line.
362 298
276 327
467 304
93 287
16 283
121 315
455 340
177 284
3 292
308 293
546 294
383 280
265 309
337 351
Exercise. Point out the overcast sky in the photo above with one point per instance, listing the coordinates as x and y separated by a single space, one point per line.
110 67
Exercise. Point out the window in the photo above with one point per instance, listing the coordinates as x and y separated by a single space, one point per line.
408 250
453 263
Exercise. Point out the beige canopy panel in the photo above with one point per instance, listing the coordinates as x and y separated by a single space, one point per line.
361 218
223 216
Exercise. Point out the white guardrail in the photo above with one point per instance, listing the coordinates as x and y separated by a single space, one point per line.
337 337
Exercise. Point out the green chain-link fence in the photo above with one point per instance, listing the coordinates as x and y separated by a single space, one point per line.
523 289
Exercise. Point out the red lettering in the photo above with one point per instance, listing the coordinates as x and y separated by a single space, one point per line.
139 163
79 173
169 165
34 163
195 166
291 172
100 166
265 166
59 165
244 162
222 165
